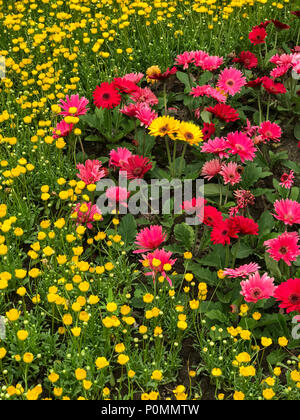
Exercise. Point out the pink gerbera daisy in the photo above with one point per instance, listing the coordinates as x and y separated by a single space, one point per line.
144 95
62 129
145 114
86 216
241 272
287 180
258 287
185 59
211 169
199 57
288 211
149 239
158 262
136 167
119 157
211 63
270 131
117 195
217 146
230 173
231 81
240 144
74 106
284 247
91 172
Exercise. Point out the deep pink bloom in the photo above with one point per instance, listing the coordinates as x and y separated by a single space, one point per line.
231 81
257 36
270 131
212 63
230 173
133 77
119 157
62 129
198 91
124 85
199 57
280 71
272 87
258 287
288 211
212 216
247 59
149 239
287 180
241 145
195 205
241 272
244 225
136 167
217 146
144 95
117 195
288 293
185 59
145 114
224 112
211 169
222 233
91 172
86 218
106 96
162 256
284 247
74 102
129 110
208 130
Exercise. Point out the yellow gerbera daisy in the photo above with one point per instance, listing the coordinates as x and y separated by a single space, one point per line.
190 133
164 126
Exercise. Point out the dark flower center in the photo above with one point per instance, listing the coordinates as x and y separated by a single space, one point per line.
137 171
294 298
106 96
283 250
256 292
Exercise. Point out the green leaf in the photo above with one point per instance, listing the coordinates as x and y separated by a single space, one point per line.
128 229
277 356
215 314
184 78
266 223
244 250
297 131
185 234
272 266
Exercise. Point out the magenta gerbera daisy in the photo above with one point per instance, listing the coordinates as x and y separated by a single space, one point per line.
230 173
240 144
242 272
288 211
288 293
149 239
284 247
74 106
270 131
106 96
258 287
217 146
231 81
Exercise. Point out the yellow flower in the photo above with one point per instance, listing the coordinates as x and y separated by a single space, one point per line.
238 396
131 373
123 359
2 352
148 298
247 371
216 372
189 133
111 307
266 342
102 362
157 375
80 374
119 348
268 394
28 357
283 342
53 377
22 335
164 126
256 316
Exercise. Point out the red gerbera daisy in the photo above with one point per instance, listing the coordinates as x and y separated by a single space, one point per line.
244 225
280 25
247 59
212 216
272 87
208 130
136 167
106 96
224 112
255 83
257 35
288 293
222 233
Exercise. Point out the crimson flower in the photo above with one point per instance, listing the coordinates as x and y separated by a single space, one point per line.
136 167
257 35
247 59
106 96
288 293
224 112
272 87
